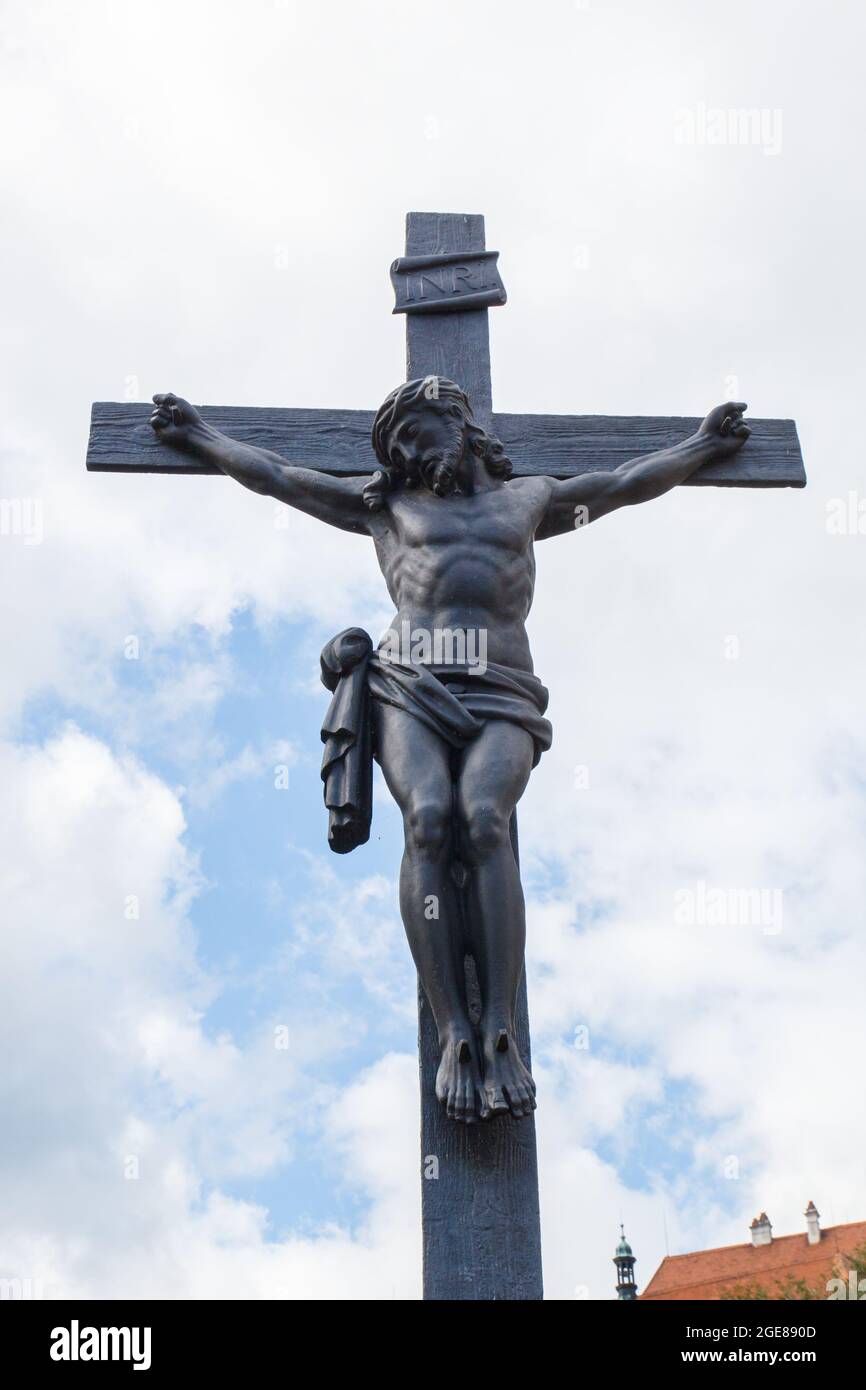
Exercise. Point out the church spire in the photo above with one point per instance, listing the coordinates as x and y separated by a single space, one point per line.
626 1288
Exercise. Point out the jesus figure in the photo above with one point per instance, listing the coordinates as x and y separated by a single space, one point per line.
456 740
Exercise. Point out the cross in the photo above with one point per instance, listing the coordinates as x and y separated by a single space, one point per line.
480 1212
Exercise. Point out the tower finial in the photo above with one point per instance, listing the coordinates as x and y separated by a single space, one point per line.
626 1288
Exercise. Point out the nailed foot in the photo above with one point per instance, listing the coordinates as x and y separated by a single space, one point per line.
508 1083
458 1081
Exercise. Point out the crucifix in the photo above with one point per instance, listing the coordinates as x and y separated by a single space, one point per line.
448 702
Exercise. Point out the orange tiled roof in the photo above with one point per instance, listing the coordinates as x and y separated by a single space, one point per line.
705 1273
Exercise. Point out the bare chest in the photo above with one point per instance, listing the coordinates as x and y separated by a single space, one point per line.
496 519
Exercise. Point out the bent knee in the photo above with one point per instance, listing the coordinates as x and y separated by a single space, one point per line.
428 826
484 829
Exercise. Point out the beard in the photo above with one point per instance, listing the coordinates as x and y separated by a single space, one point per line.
441 472
441 477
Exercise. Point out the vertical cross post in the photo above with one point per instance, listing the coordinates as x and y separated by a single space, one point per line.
480 1217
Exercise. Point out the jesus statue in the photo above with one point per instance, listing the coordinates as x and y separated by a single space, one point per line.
457 722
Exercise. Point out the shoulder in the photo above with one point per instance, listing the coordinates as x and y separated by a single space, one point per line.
532 484
533 491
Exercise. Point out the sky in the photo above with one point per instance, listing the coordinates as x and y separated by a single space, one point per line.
208 1021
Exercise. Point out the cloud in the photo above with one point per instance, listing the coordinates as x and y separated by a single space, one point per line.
92 584
129 1114
276 759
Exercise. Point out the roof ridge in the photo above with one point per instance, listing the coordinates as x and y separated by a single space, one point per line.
747 1245
761 1262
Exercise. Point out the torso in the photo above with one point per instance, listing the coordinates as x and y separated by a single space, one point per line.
464 562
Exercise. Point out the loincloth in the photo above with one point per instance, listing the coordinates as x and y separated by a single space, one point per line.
454 701
457 701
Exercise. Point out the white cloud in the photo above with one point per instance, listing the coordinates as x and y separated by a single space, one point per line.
128 1115
275 759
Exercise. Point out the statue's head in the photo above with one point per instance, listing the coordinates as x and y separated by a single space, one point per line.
424 434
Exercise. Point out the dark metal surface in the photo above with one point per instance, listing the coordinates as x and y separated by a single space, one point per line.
447 282
338 442
480 1215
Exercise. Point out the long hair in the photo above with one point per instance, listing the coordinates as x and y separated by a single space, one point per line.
427 391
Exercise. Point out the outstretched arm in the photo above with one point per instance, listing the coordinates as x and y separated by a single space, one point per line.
576 501
338 501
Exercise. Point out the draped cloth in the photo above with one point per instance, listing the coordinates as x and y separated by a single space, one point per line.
455 701
347 760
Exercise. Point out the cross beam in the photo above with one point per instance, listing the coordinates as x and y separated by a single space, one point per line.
338 441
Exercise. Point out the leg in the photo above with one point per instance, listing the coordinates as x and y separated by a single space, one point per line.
493 777
416 766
